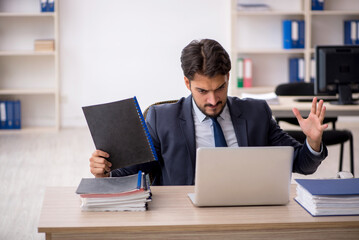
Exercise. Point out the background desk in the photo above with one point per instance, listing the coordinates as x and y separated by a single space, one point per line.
284 108
172 215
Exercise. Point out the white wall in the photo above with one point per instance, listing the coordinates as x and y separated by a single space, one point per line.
116 49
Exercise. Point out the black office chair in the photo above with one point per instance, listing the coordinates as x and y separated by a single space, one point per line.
152 178
157 103
330 137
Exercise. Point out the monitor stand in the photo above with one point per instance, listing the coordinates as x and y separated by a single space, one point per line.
345 96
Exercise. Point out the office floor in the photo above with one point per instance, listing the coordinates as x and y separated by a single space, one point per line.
31 162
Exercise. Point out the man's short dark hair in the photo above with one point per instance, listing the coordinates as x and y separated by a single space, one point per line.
206 57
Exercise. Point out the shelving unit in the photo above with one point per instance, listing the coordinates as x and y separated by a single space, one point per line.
27 75
258 35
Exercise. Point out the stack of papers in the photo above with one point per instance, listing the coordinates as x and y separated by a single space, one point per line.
323 197
129 193
270 97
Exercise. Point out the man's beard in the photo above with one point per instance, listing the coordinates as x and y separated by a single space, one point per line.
209 105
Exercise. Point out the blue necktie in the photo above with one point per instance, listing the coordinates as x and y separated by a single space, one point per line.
219 139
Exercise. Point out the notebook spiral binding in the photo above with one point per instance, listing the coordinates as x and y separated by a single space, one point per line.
148 136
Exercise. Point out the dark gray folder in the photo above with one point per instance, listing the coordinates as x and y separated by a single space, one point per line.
108 185
118 128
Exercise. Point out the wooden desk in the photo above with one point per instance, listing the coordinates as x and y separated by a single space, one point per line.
284 108
172 215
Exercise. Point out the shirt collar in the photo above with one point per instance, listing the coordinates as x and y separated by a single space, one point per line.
202 117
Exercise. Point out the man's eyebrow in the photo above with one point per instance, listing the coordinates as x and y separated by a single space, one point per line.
221 85
201 89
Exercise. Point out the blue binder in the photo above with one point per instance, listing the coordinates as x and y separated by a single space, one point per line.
50 5
287 34
293 70
349 38
43 5
9 114
330 187
17 114
301 34
357 41
317 4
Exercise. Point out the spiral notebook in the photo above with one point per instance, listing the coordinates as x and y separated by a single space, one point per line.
119 129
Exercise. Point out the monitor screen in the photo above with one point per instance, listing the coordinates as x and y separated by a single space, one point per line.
337 72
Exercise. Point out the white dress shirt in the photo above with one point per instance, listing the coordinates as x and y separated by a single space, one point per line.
204 128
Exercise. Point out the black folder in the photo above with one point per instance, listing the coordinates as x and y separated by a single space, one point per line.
119 129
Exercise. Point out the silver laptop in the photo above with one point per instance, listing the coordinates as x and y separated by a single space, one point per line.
242 176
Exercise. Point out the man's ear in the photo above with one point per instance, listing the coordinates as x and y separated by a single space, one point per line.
187 82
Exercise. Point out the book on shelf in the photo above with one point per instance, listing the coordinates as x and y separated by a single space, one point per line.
296 70
252 6
351 32
47 45
329 197
119 129
318 5
293 34
10 114
128 193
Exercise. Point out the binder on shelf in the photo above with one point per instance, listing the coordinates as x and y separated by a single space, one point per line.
17 114
312 70
293 70
9 114
301 71
47 5
301 33
317 5
119 129
247 73
240 72
50 5
293 34
350 32
43 5
326 197
357 41
296 70
3 117
287 34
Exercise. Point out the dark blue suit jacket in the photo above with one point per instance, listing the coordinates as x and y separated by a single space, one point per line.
172 129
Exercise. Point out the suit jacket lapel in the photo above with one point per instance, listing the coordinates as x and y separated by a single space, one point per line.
239 124
187 127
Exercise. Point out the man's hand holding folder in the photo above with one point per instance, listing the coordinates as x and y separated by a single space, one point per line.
99 166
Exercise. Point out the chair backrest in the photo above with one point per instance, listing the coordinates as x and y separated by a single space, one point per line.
295 89
157 103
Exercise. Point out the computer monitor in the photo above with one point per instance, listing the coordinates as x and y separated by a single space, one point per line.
337 72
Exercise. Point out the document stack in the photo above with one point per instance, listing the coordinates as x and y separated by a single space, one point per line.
129 193
329 197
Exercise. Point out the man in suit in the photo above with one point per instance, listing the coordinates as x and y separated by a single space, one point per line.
208 118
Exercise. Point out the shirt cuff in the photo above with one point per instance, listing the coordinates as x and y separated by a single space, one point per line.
315 153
